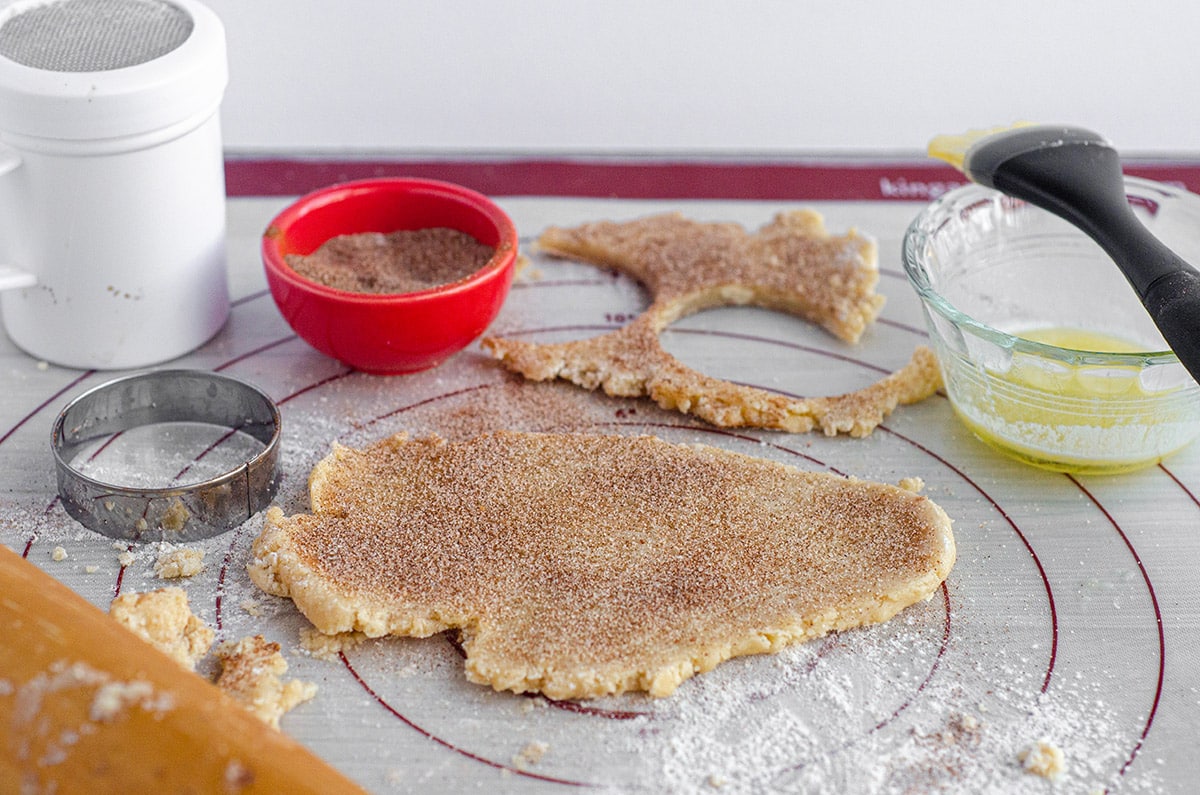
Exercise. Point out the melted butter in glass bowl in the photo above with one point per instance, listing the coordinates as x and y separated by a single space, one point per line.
1046 352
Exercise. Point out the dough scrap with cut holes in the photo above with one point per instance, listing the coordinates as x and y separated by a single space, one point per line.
791 264
580 565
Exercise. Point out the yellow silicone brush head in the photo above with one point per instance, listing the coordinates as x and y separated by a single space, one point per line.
953 148
1076 174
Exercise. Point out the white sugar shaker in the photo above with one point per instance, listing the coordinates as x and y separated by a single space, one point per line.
112 185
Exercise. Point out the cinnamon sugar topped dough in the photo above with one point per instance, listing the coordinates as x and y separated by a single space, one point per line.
581 565
792 265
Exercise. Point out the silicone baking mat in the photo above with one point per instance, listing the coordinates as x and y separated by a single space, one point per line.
1070 616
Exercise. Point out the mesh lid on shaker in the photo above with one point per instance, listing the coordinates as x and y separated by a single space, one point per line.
73 70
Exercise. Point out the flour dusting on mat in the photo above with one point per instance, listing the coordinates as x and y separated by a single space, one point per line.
850 717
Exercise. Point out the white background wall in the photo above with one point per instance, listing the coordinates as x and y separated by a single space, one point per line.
706 76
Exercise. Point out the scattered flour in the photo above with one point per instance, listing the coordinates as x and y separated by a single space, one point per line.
114 698
49 742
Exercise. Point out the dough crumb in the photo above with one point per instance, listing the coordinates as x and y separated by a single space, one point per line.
126 559
164 619
531 754
915 485
177 562
90 569
175 518
328 647
251 607
1044 759
534 702
58 554
252 670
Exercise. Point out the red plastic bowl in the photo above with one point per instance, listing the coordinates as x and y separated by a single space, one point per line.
389 333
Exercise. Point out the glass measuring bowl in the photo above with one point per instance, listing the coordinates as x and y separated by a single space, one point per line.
1000 280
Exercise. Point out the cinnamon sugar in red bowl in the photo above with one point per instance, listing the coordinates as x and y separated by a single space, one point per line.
381 315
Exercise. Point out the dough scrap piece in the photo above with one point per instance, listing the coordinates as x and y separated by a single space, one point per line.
252 671
791 264
1044 759
175 563
164 619
581 565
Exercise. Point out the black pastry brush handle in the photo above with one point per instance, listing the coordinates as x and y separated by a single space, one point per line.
1076 175
1174 303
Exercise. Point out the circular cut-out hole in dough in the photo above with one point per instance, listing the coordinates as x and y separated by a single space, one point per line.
806 360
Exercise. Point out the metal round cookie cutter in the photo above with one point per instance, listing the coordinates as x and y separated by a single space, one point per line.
181 513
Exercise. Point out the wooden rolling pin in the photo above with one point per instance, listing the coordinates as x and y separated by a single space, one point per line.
87 706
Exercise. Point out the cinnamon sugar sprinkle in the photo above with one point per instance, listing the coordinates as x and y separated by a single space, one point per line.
406 261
